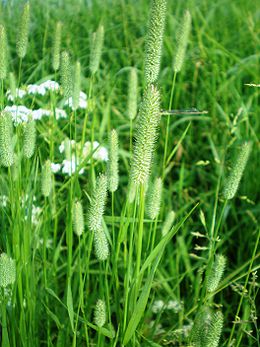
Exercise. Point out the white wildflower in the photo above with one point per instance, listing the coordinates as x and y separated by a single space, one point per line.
3 200
100 152
70 166
59 113
158 306
174 305
38 114
82 101
20 93
55 167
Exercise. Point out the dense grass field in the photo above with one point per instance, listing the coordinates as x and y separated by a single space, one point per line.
129 186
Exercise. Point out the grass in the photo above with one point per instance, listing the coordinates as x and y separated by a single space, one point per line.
153 287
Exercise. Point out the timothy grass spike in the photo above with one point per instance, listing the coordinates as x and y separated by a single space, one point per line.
7 270
96 49
182 37
113 177
155 197
46 179
78 218
23 32
56 47
168 223
216 273
100 313
12 85
154 40
146 135
132 94
101 245
232 182
66 74
6 135
29 139
3 53
97 204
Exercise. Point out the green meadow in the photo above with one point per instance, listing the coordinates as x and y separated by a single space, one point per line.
129 173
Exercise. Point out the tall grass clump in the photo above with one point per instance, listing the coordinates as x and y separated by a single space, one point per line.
56 46
3 53
6 139
23 31
154 40
96 49
146 135
232 182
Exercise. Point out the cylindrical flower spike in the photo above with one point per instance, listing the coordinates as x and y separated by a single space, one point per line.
23 32
154 203
6 135
78 218
101 245
167 225
97 204
148 121
100 313
7 270
3 53
216 273
236 173
56 47
183 36
96 49
46 179
154 40
132 94
66 74
29 139
113 177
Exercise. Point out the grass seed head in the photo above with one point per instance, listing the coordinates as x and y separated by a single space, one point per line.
182 37
207 328
12 85
29 139
97 204
6 136
154 40
113 177
216 273
232 182
46 179
3 53
168 223
146 135
154 203
132 94
66 74
56 47
96 49
7 270
78 218
23 32
100 313
101 245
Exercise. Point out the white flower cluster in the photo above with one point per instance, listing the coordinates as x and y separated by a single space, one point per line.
75 156
22 114
172 305
34 89
82 101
